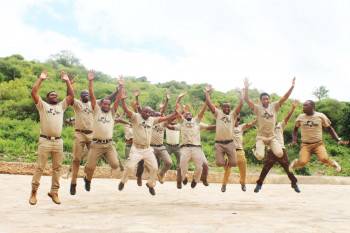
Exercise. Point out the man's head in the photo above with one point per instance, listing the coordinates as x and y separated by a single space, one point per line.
52 97
84 96
146 112
265 99
105 105
226 108
309 107
188 116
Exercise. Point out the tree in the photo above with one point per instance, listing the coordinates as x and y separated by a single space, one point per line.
321 92
66 58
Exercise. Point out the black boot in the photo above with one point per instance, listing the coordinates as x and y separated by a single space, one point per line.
257 188
120 186
296 188
73 189
185 181
87 184
151 190
193 184
223 188
243 187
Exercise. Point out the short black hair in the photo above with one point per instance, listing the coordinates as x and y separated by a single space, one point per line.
312 103
47 95
264 94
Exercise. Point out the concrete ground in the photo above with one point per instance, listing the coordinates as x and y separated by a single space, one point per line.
277 208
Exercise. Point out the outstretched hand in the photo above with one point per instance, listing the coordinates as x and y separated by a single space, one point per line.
208 89
91 75
295 103
136 93
293 82
64 76
179 97
43 75
246 82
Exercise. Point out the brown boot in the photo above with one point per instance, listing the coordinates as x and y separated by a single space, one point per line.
54 197
32 199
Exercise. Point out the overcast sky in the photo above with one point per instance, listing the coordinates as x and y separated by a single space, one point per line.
218 42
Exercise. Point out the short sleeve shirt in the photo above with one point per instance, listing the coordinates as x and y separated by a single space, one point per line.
266 119
158 134
83 115
279 129
51 117
224 125
190 132
142 129
238 136
103 123
312 126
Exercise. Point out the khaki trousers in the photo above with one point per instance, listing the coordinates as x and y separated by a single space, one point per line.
242 166
225 149
95 152
46 148
150 161
197 156
307 150
272 143
162 155
81 147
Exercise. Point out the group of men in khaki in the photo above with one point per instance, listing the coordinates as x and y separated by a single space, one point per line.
94 130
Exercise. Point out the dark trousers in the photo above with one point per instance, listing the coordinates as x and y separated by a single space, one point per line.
270 160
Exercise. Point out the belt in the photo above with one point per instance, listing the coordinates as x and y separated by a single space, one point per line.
309 143
48 137
128 145
154 145
190 145
84 131
238 149
101 141
138 146
224 142
174 145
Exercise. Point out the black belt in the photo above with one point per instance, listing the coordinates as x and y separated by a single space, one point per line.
128 145
84 131
174 145
153 145
48 137
309 143
224 142
103 141
238 149
190 145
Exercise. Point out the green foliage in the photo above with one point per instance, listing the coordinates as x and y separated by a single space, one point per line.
19 128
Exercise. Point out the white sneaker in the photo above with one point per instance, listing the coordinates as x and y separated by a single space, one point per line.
291 165
337 166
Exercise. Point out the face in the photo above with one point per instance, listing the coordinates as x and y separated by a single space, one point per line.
188 116
226 108
265 100
84 96
146 112
105 105
52 98
308 108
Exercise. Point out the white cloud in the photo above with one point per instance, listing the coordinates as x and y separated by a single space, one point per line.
222 41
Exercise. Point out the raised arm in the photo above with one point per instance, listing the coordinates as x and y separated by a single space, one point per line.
289 92
124 106
208 101
36 86
202 111
70 91
240 104
119 95
137 104
246 96
164 105
294 105
91 77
